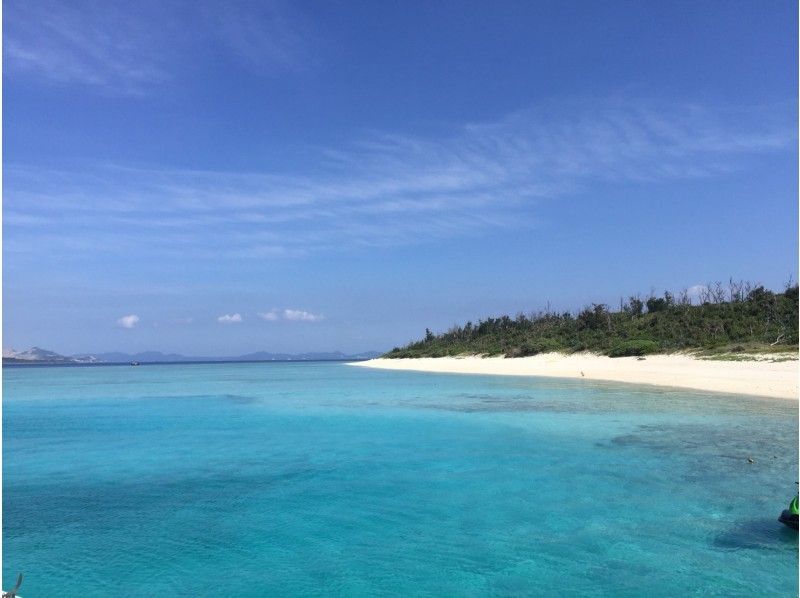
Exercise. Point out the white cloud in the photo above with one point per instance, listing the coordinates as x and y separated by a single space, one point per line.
696 292
300 315
293 315
387 190
98 45
128 321
129 48
230 319
266 35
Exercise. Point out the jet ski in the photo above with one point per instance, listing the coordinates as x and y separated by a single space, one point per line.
789 516
12 593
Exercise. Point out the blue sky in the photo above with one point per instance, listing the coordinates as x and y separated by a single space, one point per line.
218 178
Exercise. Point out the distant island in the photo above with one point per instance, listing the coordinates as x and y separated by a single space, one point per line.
736 318
36 355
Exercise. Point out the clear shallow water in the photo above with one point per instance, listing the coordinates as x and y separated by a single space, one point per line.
322 479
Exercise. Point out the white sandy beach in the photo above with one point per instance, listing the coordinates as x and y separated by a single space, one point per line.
759 378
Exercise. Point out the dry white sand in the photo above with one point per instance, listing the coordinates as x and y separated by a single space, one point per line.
760 378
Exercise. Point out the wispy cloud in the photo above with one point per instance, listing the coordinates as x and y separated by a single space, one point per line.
128 321
388 190
230 319
87 43
270 316
128 48
266 36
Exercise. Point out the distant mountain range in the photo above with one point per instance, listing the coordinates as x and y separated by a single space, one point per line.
38 355
35 354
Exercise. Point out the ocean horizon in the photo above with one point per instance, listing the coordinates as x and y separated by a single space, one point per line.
316 478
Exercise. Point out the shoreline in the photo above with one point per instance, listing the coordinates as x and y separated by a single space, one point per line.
773 379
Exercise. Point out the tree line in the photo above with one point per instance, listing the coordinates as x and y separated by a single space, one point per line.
739 316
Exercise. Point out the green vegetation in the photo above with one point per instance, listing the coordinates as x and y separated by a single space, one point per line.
737 320
633 348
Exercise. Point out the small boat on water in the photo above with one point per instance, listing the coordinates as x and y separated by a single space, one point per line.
789 516
134 363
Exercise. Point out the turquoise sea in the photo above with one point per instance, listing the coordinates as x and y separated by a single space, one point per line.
304 479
